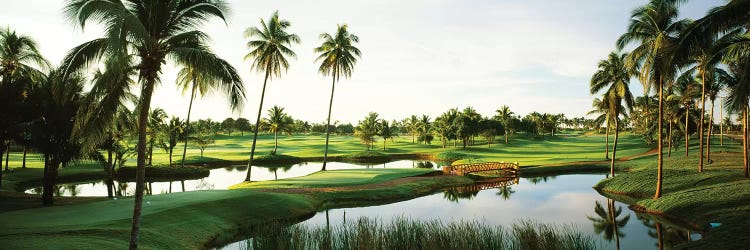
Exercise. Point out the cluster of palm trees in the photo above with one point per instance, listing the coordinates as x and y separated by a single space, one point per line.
373 126
48 109
685 62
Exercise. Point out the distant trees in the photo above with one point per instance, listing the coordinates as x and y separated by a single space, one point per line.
367 129
228 125
242 125
277 122
387 131
171 133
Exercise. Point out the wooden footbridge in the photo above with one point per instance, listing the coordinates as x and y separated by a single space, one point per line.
462 169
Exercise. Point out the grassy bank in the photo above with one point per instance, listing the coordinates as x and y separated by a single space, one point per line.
170 220
719 194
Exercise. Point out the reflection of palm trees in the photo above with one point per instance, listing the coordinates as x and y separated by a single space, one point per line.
455 195
666 237
72 189
505 192
607 222
537 180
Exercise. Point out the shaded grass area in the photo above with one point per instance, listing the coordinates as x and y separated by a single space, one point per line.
720 194
404 233
171 220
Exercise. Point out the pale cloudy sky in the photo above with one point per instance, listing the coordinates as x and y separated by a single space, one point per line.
419 56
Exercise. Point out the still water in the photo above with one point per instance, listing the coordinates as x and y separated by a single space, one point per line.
222 178
561 200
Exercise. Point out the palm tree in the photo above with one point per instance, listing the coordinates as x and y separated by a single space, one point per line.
613 76
654 27
21 65
738 89
604 116
59 100
338 55
151 31
277 121
712 92
155 121
203 82
171 133
505 116
367 129
424 126
505 192
608 223
412 124
686 90
386 131
269 54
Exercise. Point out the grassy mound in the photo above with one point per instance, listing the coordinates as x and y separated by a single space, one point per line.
335 178
163 173
451 156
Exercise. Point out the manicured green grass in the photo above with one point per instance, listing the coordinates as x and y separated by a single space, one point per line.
719 194
335 178
527 151
172 220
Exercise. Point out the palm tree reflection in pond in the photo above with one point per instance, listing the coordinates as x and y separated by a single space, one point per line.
505 192
454 195
607 223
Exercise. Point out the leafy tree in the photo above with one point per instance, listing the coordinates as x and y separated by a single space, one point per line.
367 129
150 32
202 140
21 66
242 125
489 129
445 126
277 121
338 55
228 126
654 27
269 54
58 102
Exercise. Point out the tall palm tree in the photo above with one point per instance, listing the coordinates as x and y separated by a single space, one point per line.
424 126
505 116
172 132
654 27
338 55
201 82
738 88
277 121
269 53
412 123
686 90
714 86
151 31
604 116
615 77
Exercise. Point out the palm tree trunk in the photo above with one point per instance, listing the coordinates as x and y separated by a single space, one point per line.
614 146
744 142
2 150
140 176
606 144
7 156
710 132
275 141
506 137
703 112
50 175
687 133
23 162
613 219
151 151
660 146
257 123
328 121
187 122
109 174
669 151
170 156
659 236
384 143
721 124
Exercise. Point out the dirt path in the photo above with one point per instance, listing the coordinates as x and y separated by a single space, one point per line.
351 188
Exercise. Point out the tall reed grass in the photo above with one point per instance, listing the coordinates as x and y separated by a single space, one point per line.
403 233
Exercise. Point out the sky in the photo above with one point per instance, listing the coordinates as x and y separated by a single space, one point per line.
418 56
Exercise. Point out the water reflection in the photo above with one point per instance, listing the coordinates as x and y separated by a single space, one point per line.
608 222
563 200
219 178
667 235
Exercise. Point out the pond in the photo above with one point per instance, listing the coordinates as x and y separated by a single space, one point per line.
562 200
222 178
